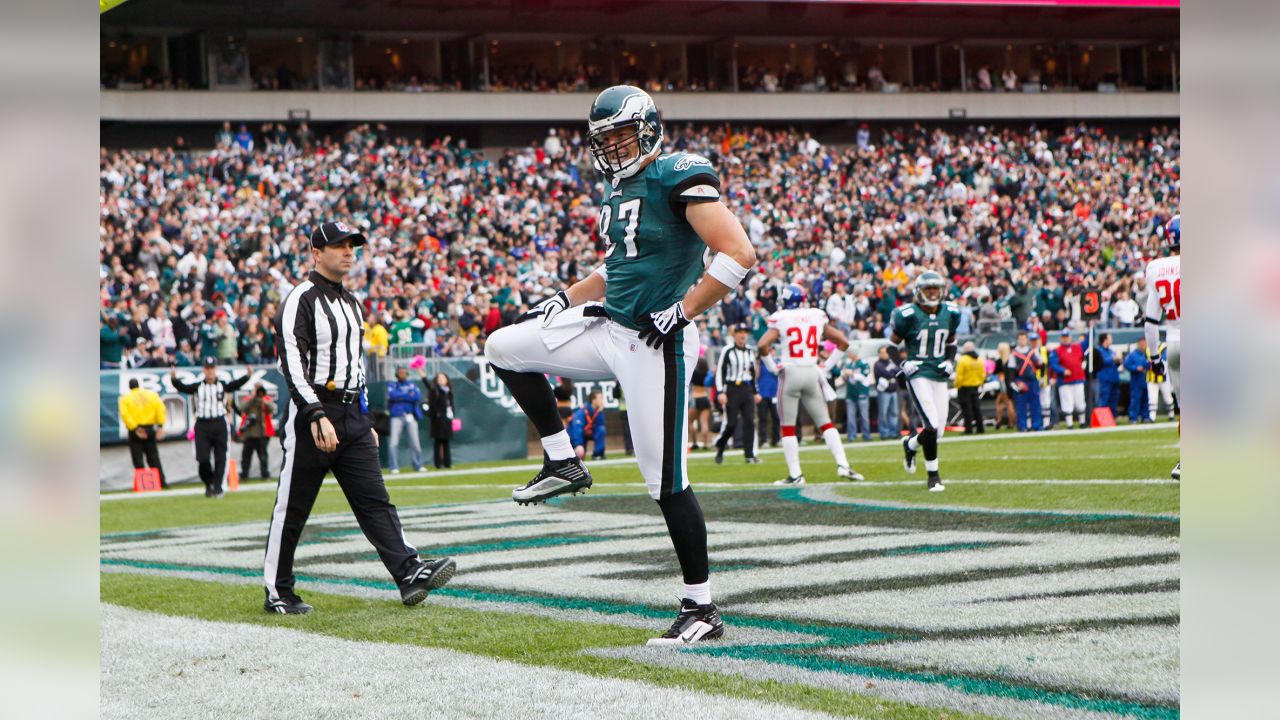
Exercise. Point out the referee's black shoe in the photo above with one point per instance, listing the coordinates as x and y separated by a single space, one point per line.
289 604
557 477
428 575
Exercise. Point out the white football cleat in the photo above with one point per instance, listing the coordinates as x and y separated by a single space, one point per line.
848 473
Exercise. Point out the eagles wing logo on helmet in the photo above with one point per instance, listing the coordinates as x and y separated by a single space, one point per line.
929 280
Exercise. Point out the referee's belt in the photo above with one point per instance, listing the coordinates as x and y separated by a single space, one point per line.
346 397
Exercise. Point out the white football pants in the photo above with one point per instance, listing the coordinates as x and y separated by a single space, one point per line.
655 382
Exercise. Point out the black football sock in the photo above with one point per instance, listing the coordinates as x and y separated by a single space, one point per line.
533 394
688 532
929 443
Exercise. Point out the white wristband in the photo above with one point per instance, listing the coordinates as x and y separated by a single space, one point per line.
727 270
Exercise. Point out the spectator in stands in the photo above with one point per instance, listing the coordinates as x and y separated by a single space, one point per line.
1137 363
440 408
1024 379
841 309
971 375
886 375
143 415
404 405
1124 310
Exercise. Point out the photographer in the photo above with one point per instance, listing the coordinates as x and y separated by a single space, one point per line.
256 428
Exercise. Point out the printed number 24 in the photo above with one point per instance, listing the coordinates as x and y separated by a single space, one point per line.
799 341
629 213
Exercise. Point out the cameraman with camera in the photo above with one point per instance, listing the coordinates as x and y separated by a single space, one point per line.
257 426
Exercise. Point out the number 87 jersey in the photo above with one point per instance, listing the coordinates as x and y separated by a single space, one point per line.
800 332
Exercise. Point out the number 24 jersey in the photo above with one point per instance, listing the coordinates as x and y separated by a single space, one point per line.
800 332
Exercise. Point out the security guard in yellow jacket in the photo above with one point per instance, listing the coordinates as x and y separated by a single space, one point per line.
970 376
142 412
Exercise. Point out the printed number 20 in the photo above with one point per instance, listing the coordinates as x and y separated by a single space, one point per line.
1170 297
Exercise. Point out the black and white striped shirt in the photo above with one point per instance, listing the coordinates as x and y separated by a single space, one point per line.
737 365
319 333
210 398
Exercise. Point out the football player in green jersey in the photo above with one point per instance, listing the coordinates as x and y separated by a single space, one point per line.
926 329
630 319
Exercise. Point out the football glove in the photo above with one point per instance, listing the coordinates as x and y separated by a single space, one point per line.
910 367
547 309
1157 365
949 368
663 324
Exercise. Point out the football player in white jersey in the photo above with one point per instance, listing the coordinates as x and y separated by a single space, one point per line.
800 380
1164 304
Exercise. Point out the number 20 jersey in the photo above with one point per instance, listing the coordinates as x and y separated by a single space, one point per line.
1164 293
800 332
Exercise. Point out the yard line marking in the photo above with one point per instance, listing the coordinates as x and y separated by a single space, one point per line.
701 457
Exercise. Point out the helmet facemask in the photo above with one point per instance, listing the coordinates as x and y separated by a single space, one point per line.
615 153
929 292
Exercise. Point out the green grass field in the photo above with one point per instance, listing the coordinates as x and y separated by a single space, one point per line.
1048 563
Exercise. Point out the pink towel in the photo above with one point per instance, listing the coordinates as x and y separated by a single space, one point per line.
418 361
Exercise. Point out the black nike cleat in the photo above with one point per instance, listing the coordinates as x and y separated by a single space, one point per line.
427 576
719 455
286 605
908 456
695 623
556 478
1177 472
935 483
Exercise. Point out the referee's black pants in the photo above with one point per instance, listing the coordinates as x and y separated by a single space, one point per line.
356 466
144 452
211 451
739 408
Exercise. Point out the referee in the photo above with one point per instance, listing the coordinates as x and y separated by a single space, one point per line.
210 398
737 394
319 345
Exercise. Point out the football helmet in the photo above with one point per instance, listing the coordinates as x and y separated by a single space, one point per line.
623 106
1173 232
929 289
792 297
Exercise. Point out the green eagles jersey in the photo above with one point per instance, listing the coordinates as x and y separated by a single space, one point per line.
925 337
652 255
403 333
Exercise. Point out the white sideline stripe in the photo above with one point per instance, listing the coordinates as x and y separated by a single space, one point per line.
200 670
825 493
700 457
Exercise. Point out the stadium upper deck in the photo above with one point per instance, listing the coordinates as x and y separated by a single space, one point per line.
808 60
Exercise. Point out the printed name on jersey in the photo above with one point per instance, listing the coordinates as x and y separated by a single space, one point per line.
688 161
908 311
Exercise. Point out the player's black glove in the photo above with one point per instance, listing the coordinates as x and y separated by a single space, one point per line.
1157 365
547 309
663 324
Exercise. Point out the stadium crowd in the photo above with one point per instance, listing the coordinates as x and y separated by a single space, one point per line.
197 249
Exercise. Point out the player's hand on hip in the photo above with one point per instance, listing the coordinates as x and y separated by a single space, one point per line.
664 324
910 367
949 368
325 436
